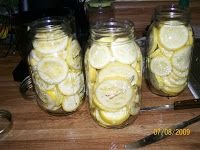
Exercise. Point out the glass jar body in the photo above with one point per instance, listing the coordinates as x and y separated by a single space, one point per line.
55 63
170 42
113 66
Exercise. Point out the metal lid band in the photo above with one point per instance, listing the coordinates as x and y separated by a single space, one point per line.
8 116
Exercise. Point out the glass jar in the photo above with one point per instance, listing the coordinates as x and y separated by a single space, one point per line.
170 42
113 65
55 63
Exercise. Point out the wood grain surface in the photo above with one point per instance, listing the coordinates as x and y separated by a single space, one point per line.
35 129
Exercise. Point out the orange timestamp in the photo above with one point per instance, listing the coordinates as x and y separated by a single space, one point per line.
168 131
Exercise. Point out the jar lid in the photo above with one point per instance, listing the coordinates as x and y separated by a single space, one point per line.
6 121
27 89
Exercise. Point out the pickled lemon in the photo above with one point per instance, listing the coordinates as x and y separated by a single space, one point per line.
124 52
71 103
74 55
71 84
115 118
99 56
153 40
181 58
160 66
113 93
50 46
173 35
117 69
52 70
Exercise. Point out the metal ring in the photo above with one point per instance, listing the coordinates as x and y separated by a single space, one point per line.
8 116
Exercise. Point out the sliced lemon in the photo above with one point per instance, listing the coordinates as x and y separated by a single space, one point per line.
42 85
52 70
177 82
71 103
153 40
181 73
61 55
131 106
124 52
156 53
173 90
55 96
32 62
74 58
166 53
191 39
99 56
167 82
48 46
114 93
156 81
173 35
160 66
92 73
71 84
181 58
98 118
117 69
115 118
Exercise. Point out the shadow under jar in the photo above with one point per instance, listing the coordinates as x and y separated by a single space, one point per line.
170 42
55 63
113 65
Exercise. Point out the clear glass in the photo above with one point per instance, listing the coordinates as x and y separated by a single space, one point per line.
170 42
113 65
55 63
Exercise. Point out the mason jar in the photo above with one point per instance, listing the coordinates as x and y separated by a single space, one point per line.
170 42
113 65
55 63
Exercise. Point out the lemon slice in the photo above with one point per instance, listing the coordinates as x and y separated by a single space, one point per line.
48 46
160 66
181 58
115 118
92 73
173 90
156 81
99 56
113 93
181 73
124 52
52 70
153 40
191 39
177 82
156 53
32 63
173 35
98 118
54 96
74 55
71 103
117 69
42 85
167 82
71 84
166 53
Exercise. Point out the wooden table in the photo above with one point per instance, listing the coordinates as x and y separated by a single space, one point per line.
35 129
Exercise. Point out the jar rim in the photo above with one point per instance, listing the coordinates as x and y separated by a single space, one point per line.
49 24
113 26
172 11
